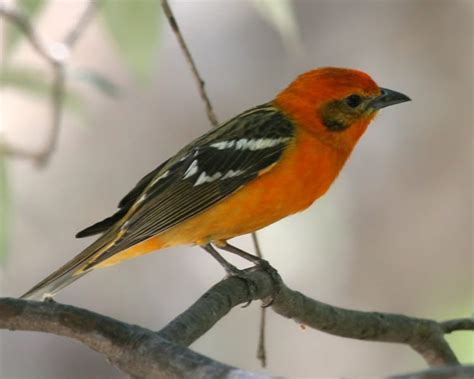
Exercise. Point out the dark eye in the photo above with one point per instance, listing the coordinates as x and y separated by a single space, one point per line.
353 100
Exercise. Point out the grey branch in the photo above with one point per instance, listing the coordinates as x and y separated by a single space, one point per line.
137 351
56 55
423 335
143 353
457 324
215 304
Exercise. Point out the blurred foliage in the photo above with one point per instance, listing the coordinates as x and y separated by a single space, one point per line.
96 80
4 209
33 82
134 25
12 34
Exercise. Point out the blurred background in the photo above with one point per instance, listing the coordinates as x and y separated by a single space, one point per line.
393 234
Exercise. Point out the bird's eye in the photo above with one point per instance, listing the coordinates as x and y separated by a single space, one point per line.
353 100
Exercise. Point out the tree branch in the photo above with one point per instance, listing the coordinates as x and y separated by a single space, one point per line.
137 351
143 353
215 304
457 325
423 335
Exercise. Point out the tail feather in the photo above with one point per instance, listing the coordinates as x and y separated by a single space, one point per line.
71 271
49 287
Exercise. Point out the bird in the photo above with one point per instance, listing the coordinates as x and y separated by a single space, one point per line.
266 163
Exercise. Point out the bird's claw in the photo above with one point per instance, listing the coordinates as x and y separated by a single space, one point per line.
234 272
262 264
265 266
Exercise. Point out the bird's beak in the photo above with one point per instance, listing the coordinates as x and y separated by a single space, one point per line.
388 97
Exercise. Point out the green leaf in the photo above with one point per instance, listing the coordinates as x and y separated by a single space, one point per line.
281 15
97 80
134 25
4 209
35 82
12 36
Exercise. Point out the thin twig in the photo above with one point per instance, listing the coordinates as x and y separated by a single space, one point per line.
261 350
56 55
261 353
19 19
261 346
57 99
458 325
182 43
82 23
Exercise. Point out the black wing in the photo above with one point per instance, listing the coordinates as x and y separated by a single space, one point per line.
203 173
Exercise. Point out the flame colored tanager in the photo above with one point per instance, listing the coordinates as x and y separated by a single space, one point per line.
266 163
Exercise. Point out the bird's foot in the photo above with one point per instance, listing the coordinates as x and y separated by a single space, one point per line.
234 272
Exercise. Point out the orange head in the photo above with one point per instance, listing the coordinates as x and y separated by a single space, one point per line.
335 104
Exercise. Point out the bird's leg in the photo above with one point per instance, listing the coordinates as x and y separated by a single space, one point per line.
243 254
229 268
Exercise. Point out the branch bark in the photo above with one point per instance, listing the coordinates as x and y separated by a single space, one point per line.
423 335
143 353
137 351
